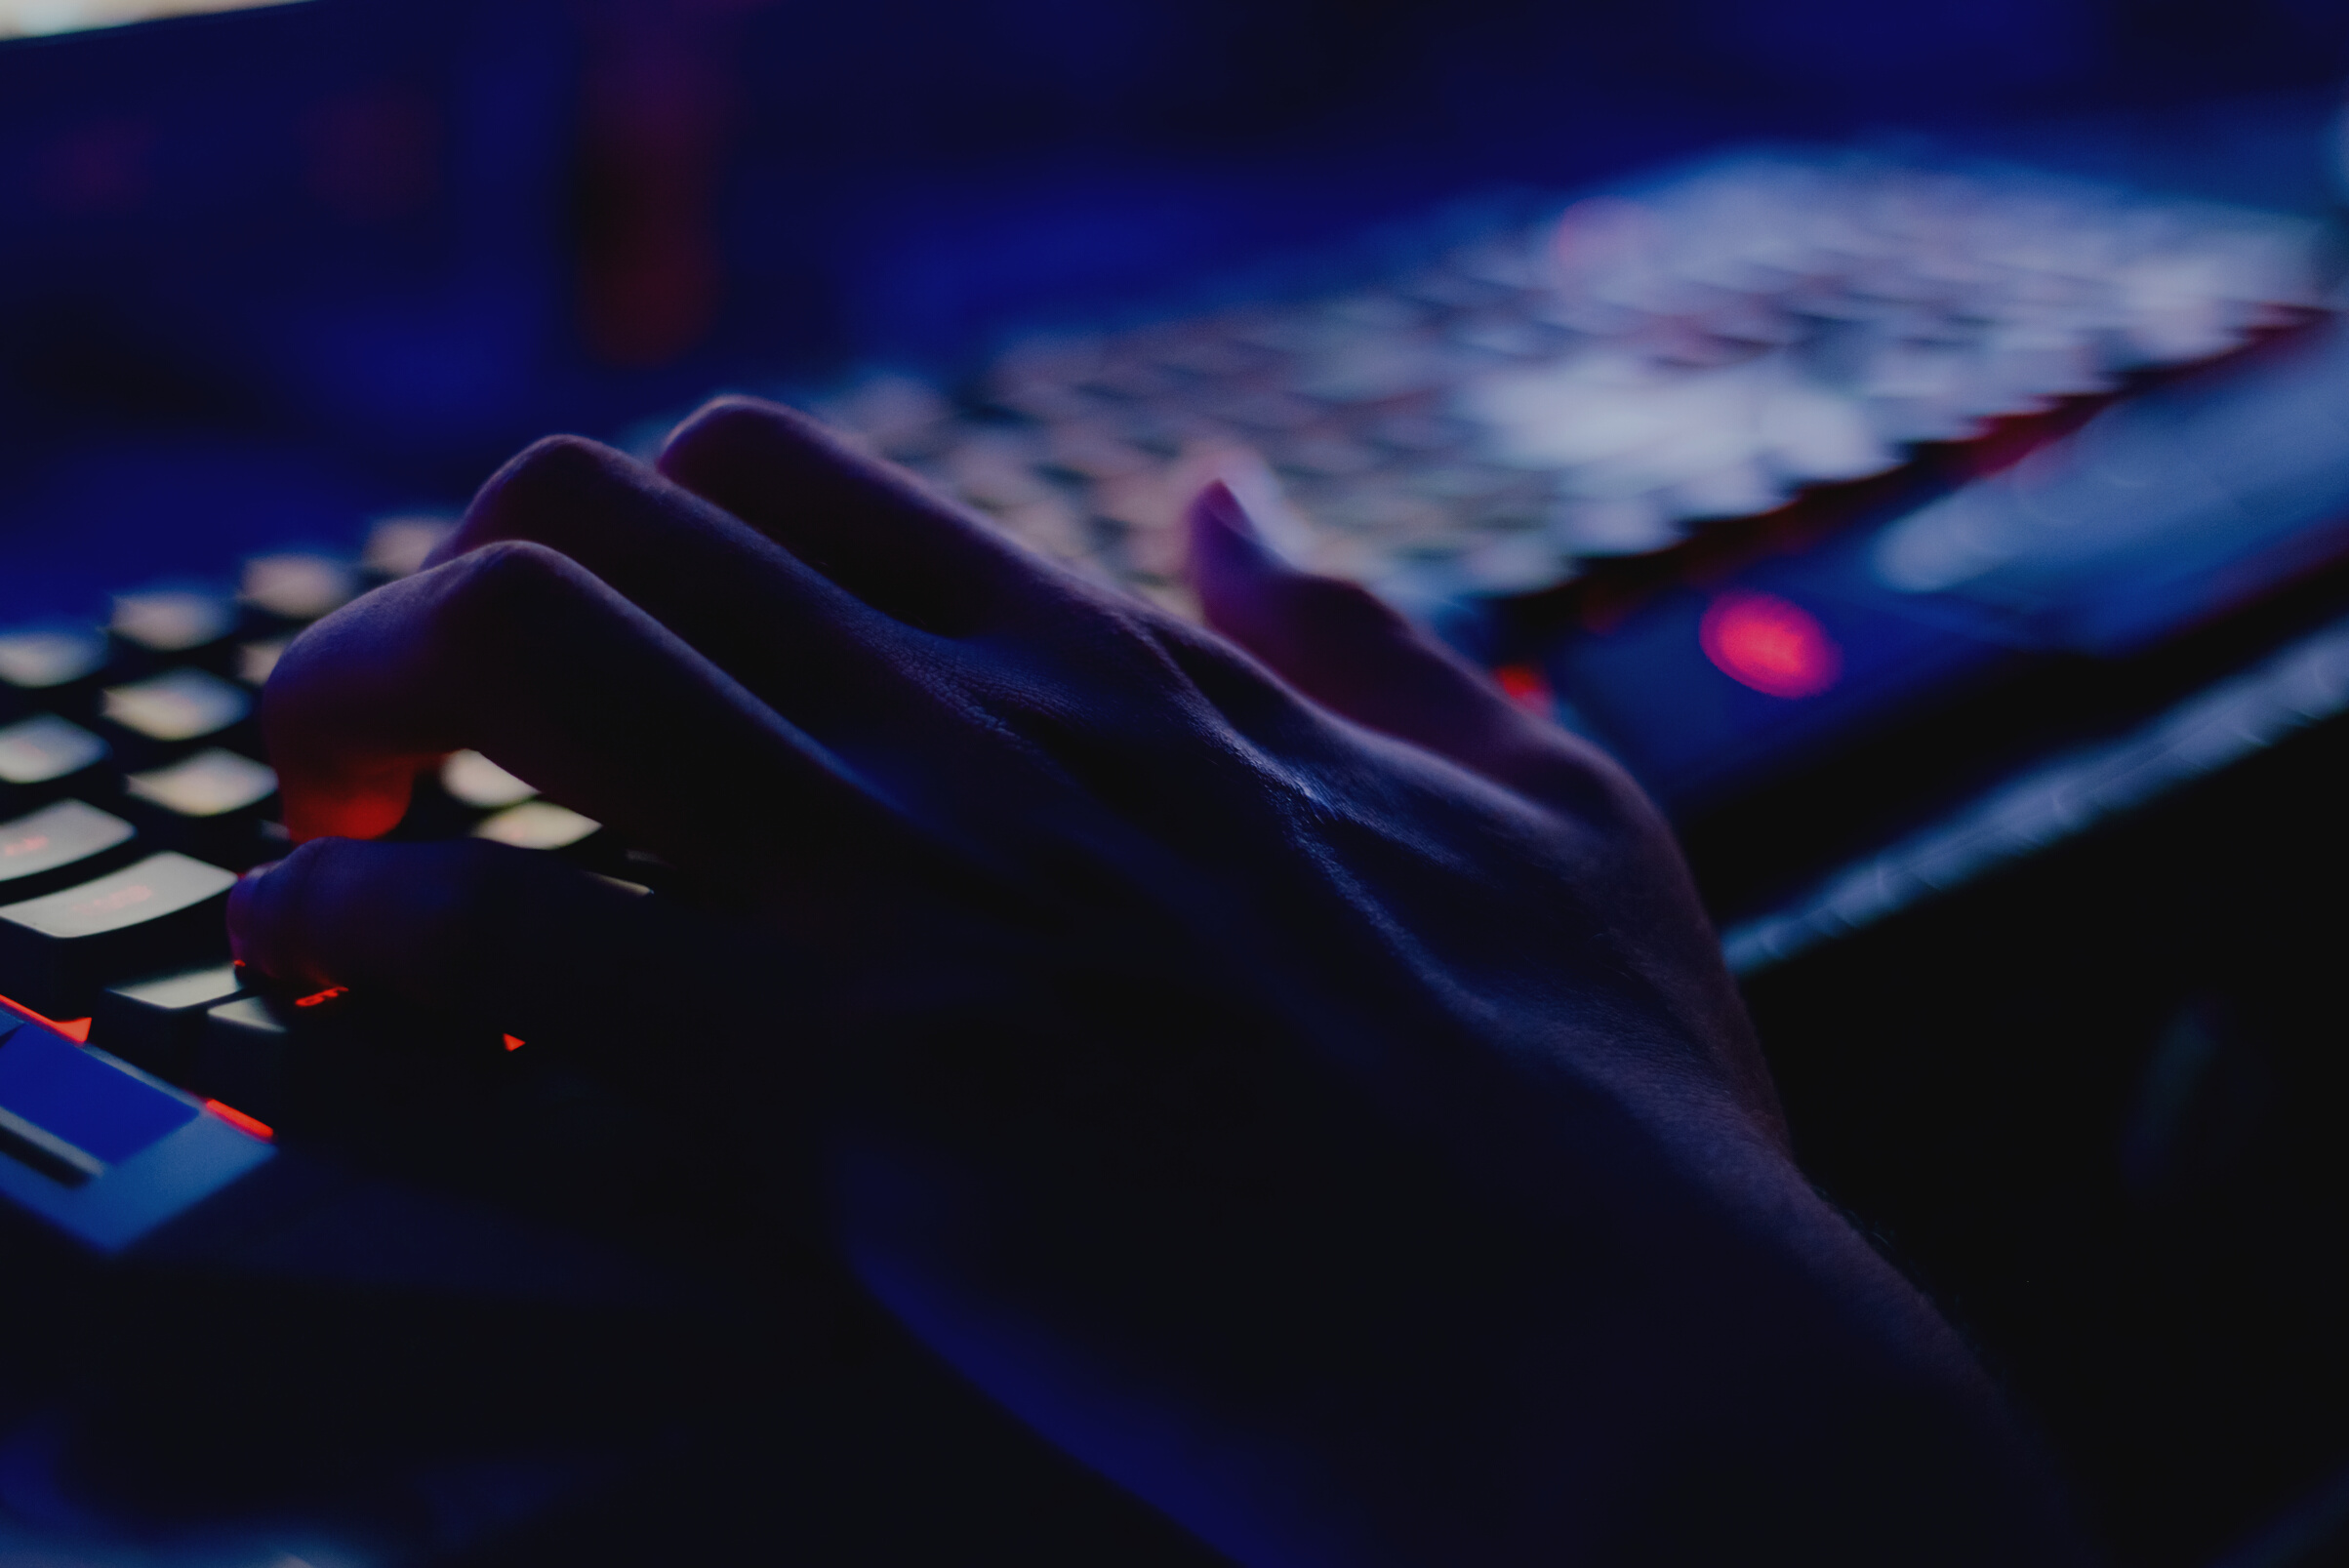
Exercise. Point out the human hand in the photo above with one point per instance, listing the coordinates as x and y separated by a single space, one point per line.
1303 1086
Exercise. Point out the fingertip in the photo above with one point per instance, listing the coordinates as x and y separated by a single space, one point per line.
247 918
723 429
347 807
1229 555
261 922
554 474
1218 506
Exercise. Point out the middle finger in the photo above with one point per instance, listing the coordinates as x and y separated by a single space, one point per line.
744 603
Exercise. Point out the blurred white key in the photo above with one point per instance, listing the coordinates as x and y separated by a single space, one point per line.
537 824
299 586
471 778
171 620
179 706
211 783
256 661
36 660
396 546
44 747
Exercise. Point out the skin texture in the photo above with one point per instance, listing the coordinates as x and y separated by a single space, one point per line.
1294 1080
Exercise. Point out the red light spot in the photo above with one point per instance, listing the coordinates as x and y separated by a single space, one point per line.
1525 685
240 1121
1770 644
119 898
512 1044
321 998
76 1030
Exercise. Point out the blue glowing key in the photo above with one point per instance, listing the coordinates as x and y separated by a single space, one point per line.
82 1099
100 1150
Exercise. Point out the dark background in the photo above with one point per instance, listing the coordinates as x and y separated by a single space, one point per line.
263 272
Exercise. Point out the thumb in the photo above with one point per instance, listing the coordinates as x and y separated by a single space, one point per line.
511 939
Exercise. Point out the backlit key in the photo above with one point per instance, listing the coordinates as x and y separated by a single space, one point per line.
396 546
539 824
50 668
297 586
57 845
209 804
254 661
81 1100
475 781
178 708
58 951
104 1152
241 1049
172 621
45 756
154 1023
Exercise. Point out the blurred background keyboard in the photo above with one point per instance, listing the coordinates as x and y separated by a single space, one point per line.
1601 382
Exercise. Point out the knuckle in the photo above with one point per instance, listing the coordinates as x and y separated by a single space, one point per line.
538 489
727 426
508 574
555 465
493 595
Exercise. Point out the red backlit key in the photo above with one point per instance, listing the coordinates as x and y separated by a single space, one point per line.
56 846
58 951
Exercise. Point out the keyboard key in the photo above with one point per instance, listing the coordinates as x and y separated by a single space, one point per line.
297 587
155 1024
539 824
396 546
172 621
305 1061
56 846
151 719
102 1151
46 757
83 1101
212 804
240 1055
50 668
38 1149
59 951
256 661
474 781
206 784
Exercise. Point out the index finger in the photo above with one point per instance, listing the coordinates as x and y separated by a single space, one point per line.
519 653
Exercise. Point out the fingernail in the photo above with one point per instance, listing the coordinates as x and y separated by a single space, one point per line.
1222 504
